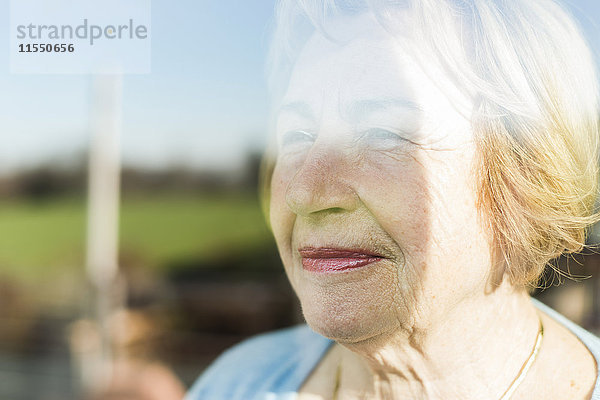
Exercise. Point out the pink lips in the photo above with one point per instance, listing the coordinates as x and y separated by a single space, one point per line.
327 260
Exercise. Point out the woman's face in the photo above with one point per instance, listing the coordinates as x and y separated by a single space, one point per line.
373 197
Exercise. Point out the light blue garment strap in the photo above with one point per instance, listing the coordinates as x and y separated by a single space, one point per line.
272 366
591 341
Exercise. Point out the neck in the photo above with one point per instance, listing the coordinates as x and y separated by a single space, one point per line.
475 351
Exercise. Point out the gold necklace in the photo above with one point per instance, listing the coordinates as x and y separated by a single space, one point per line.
507 394
536 348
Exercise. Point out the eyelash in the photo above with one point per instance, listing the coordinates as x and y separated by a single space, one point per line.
301 136
383 139
380 133
296 136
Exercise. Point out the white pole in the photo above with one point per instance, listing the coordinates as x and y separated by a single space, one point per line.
103 217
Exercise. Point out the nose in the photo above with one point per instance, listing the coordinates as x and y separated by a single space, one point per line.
322 183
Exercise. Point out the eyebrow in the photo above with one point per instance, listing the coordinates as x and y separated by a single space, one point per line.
357 110
360 110
300 108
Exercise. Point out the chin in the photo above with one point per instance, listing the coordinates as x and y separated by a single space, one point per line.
347 321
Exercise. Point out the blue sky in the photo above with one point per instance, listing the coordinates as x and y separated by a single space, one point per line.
204 104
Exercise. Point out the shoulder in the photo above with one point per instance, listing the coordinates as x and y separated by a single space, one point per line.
585 368
591 341
276 362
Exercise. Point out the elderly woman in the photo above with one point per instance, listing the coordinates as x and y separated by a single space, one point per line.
431 158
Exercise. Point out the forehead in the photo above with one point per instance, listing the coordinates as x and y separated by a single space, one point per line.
362 60
365 62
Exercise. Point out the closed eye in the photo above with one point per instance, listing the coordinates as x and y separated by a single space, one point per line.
296 137
380 134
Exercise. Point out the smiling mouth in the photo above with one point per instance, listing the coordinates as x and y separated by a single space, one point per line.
330 259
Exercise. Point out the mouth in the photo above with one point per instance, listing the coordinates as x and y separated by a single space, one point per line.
332 259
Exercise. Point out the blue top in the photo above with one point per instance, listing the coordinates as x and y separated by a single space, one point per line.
274 366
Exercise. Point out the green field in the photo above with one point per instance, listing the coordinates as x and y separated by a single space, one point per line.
40 240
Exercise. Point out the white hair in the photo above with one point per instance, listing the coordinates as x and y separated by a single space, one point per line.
532 79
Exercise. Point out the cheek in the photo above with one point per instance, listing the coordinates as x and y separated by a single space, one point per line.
281 217
396 192
453 200
426 202
460 250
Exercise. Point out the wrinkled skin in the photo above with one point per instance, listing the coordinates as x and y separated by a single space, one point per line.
376 152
